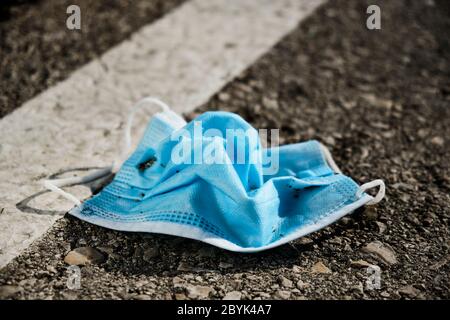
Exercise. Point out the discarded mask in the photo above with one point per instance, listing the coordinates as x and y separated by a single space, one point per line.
229 204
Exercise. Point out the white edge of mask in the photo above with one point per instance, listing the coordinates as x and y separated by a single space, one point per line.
195 233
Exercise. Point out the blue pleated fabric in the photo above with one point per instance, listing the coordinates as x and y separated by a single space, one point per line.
233 205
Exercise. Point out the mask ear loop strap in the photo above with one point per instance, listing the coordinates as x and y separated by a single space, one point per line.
369 185
56 185
375 183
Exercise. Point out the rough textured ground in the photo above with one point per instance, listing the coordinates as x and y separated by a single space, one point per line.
380 100
37 50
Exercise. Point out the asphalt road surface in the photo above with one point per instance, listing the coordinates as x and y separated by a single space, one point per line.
37 51
379 99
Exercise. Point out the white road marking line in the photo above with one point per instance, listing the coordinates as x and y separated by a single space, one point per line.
183 58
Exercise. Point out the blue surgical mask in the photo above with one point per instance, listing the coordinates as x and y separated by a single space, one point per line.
184 184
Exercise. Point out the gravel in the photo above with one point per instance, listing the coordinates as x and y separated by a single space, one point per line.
383 253
82 256
380 101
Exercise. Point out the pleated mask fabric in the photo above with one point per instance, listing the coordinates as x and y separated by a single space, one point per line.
235 205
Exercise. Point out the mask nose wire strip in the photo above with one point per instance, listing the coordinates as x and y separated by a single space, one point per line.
55 185
369 185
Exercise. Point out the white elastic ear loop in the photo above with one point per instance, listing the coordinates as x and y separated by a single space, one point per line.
129 124
375 183
369 185
329 159
56 184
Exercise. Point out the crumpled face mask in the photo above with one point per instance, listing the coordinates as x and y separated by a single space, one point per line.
235 206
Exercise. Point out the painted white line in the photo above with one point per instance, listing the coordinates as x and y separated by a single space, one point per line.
183 58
